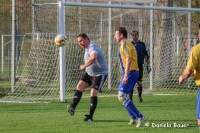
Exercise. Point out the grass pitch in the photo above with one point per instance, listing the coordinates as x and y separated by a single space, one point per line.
165 113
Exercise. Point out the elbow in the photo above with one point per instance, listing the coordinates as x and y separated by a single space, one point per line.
187 73
130 60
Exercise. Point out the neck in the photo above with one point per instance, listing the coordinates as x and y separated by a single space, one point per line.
135 41
122 41
88 44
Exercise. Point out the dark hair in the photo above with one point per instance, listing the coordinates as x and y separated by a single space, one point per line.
122 30
82 35
135 31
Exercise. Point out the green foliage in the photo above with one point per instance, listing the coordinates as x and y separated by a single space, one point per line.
110 116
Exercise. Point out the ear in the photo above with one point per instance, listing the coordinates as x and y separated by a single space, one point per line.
121 35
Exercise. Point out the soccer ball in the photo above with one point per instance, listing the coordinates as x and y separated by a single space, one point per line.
60 40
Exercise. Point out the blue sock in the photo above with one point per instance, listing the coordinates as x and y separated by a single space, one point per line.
132 116
131 109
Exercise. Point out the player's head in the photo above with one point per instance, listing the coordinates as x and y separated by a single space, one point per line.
83 40
135 35
120 34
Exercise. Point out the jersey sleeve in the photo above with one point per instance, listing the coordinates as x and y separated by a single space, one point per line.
127 50
193 60
92 50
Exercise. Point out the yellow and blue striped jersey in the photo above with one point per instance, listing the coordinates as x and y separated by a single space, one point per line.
128 50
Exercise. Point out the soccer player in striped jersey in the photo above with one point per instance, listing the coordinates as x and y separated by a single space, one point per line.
96 72
142 55
129 66
193 66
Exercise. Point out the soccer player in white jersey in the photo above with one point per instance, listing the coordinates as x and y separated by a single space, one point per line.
96 71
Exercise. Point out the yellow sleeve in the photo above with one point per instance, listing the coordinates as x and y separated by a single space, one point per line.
193 60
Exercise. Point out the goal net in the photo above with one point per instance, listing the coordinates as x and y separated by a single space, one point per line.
167 33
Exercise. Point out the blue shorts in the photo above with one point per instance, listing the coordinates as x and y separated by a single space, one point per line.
132 79
198 104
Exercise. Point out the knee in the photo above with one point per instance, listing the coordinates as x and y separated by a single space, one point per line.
81 86
93 92
139 83
122 97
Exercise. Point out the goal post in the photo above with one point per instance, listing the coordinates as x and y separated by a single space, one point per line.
62 51
79 4
129 6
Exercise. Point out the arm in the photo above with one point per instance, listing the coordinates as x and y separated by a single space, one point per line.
146 54
148 66
186 74
191 66
128 65
92 59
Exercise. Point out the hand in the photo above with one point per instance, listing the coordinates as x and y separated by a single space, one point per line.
148 68
125 80
181 80
82 67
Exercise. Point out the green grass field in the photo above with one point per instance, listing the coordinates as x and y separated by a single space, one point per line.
110 116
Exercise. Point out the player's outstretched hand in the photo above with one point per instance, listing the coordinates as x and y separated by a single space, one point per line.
181 80
148 68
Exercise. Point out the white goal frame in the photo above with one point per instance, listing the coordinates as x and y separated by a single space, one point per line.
137 1
61 30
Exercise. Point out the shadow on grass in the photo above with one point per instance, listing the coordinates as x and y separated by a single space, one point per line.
111 121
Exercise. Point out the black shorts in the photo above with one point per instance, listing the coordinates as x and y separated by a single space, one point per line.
95 82
140 72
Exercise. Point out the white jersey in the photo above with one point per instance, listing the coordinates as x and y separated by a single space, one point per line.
99 67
